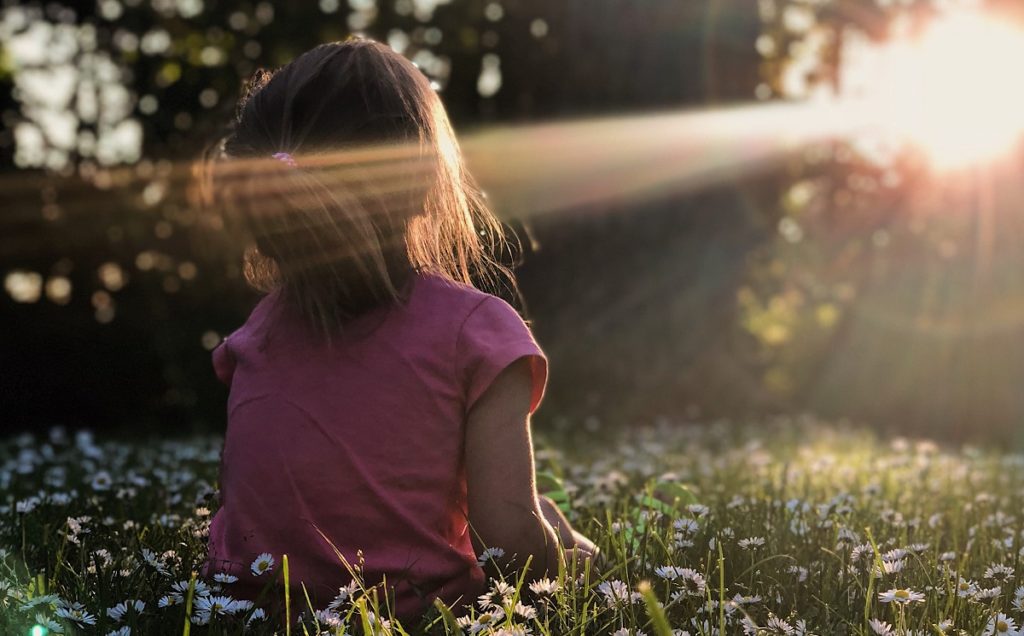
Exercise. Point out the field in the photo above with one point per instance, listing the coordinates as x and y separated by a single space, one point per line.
786 527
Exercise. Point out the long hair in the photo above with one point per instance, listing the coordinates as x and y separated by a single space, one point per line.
344 174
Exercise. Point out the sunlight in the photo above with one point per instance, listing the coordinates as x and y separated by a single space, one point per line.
947 90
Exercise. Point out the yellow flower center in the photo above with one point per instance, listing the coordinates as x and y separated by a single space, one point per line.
1001 626
902 595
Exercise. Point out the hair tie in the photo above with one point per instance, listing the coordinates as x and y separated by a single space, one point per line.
286 158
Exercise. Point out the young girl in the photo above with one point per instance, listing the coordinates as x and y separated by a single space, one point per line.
379 403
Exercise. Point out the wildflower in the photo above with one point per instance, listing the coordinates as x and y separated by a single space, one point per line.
966 588
616 593
901 596
1000 624
76 612
118 611
891 567
1018 599
527 612
779 626
999 572
751 543
800 572
500 594
894 555
328 618
880 627
263 563
544 587
489 554
35 601
345 594
124 630
686 526
169 600
200 589
210 606
259 614
49 624
101 481
224 577
987 593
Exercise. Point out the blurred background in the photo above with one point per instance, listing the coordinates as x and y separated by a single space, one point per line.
776 206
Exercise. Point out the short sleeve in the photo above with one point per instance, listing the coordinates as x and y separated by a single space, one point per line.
492 337
223 362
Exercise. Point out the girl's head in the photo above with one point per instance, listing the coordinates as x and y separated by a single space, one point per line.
373 185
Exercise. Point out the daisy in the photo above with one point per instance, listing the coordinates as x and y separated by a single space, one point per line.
76 612
751 543
779 626
1001 624
686 526
616 593
544 587
118 611
221 605
880 627
490 554
901 596
525 611
987 593
51 625
263 563
259 614
966 588
999 572
101 481
344 595
224 577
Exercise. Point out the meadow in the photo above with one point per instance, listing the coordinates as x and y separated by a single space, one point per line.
791 526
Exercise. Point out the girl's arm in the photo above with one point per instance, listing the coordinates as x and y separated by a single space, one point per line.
504 509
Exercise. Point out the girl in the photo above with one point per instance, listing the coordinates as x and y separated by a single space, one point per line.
379 403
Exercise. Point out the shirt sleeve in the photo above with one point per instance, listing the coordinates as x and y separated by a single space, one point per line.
492 337
223 362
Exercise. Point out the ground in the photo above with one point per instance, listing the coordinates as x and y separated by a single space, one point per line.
791 526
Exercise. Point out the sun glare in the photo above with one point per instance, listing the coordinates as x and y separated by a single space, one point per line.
952 89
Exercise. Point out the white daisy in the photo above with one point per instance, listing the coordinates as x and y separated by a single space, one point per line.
901 596
263 563
118 611
544 587
1001 624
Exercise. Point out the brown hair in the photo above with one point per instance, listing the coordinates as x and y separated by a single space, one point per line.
372 188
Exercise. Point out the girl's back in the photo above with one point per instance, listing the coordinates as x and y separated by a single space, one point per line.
359 447
379 410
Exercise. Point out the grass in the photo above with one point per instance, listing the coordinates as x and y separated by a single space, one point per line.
787 527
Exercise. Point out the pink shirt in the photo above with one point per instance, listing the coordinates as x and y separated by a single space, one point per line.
364 442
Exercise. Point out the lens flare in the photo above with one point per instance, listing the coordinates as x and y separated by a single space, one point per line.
949 89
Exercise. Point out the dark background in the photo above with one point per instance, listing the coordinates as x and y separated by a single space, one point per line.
645 309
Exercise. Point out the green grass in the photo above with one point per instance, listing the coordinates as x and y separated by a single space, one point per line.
786 527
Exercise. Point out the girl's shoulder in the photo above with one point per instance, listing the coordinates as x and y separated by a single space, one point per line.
454 298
